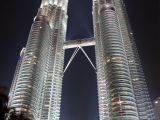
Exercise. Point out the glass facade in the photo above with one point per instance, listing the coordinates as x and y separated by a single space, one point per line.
38 79
122 88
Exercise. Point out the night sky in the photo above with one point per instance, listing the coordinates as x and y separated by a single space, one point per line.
79 92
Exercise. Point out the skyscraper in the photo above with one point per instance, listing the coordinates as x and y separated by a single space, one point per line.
122 90
38 87
121 85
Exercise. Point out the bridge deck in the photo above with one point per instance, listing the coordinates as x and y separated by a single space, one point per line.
78 42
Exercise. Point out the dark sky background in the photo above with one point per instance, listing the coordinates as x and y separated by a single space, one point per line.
79 92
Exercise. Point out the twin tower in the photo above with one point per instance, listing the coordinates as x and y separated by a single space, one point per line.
37 85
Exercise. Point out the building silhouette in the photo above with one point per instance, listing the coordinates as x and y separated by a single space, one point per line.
37 85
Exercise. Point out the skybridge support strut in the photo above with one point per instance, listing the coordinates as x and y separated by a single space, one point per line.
88 57
73 55
75 52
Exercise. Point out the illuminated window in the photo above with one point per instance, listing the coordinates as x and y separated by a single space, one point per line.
46 105
29 86
24 109
49 74
25 105
114 58
121 65
156 102
108 60
135 79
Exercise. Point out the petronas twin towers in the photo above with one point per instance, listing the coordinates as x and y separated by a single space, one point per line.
37 85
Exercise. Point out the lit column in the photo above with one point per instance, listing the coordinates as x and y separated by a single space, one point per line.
120 94
28 89
101 81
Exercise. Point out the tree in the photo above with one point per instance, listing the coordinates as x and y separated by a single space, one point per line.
8 111
22 116
3 96
3 100
11 113
17 116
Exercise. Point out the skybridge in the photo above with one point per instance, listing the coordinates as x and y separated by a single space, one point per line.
78 44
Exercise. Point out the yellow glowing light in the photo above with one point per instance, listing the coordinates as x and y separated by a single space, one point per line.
108 60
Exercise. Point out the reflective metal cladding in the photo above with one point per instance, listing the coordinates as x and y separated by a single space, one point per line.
118 80
122 90
36 88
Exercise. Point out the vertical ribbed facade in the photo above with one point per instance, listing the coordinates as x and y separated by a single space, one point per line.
144 106
123 92
29 85
37 83
101 81
15 78
121 99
